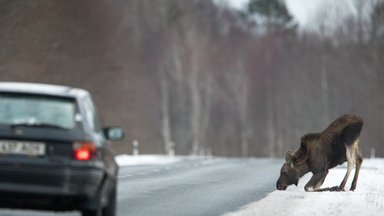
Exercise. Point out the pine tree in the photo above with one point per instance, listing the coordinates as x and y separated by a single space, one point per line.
271 15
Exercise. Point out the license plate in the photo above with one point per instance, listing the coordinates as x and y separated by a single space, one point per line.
22 148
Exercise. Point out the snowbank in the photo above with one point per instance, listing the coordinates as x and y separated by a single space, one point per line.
129 160
367 200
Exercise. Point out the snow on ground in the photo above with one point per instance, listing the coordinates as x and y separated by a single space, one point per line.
129 160
367 200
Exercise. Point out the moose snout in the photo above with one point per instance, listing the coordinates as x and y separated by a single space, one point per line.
280 186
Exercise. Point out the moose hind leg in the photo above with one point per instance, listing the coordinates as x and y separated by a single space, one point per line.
351 151
359 161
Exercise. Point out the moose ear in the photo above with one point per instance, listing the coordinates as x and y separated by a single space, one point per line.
288 157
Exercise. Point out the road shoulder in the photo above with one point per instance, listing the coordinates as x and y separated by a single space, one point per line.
368 198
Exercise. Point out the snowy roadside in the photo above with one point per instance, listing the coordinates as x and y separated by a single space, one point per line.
367 200
129 160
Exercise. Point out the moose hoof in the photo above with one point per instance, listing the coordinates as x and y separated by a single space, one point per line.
333 188
336 189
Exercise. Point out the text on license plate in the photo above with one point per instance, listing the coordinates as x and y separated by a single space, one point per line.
22 147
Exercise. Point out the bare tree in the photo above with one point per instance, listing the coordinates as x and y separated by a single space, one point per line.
241 88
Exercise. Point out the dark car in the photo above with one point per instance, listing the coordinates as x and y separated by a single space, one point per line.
54 152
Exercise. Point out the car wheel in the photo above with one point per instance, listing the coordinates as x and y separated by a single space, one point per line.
91 213
110 209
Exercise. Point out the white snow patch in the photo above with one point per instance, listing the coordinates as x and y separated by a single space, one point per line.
367 200
130 160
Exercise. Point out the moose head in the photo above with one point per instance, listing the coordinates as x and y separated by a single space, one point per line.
295 166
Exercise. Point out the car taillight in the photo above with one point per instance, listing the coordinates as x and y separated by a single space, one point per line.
84 151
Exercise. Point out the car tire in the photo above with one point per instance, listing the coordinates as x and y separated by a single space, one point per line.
109 210
91 212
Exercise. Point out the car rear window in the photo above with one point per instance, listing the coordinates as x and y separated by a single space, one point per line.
37 109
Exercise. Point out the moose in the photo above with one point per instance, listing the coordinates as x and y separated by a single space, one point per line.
319 152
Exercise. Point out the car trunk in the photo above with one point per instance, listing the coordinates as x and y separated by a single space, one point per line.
35 144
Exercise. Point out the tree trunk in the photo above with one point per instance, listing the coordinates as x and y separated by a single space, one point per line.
165 123
196 111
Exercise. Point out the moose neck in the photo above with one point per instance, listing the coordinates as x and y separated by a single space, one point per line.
302 169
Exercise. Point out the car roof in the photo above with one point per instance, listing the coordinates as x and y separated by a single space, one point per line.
45 89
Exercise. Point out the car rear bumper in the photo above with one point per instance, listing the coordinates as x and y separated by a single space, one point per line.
48 183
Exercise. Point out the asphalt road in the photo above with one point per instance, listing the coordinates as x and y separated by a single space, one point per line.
191 187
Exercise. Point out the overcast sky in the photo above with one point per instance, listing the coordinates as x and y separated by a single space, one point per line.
303 10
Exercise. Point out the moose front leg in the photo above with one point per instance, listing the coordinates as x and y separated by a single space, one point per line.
315 182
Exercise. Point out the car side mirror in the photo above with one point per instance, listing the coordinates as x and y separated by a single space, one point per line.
114 133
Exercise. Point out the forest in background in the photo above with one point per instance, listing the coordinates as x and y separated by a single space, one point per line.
199 78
